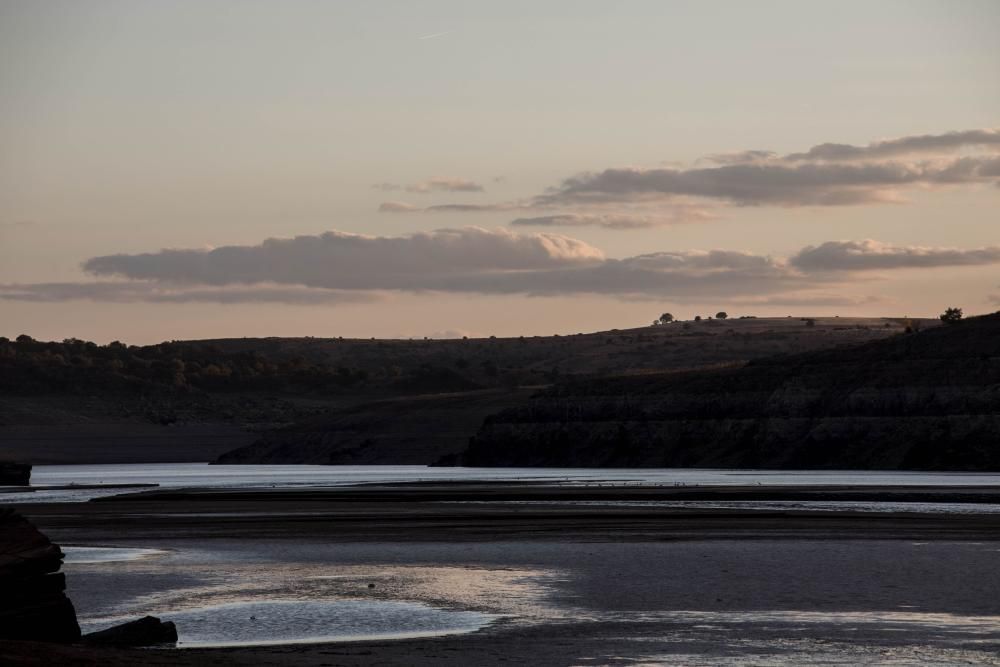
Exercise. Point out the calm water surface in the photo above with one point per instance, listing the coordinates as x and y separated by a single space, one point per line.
270 622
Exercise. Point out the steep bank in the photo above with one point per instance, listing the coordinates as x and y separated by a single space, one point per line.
929 400
33 602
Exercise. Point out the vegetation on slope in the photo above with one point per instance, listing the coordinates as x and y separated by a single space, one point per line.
926 400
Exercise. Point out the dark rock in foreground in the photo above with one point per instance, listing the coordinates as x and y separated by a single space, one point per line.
14 474
147 631
33 602
924 401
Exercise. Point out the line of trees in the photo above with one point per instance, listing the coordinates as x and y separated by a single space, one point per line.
27 365
667 318
951 315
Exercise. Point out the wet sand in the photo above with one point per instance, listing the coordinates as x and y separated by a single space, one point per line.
491 511
575 584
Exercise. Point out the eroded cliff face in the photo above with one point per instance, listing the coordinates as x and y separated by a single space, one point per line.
920 401
33 602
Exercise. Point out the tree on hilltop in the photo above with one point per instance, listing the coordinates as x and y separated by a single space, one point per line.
951 315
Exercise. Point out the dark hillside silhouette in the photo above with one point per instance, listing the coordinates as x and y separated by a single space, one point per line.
929 400
337 400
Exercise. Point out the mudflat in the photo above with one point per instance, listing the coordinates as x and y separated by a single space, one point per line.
491 511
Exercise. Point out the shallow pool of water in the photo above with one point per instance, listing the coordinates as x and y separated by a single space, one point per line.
269 622
89 555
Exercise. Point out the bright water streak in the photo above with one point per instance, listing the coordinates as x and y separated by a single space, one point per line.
90 555
265 622
205 476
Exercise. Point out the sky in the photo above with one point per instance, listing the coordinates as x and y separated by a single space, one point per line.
209 168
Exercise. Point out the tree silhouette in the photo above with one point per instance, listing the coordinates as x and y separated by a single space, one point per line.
665 318
721 315
951 315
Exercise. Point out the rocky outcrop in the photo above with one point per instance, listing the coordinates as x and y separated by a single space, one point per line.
146 631
14 474
33 602
929 400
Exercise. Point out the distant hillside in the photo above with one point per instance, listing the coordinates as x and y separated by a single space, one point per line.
320 399
423 428
412 430
177 380
927 400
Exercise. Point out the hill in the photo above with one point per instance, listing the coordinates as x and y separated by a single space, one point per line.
926 400
423 428
320 399
411 430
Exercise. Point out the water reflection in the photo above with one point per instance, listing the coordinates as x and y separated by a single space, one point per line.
265 622
90 555
813 638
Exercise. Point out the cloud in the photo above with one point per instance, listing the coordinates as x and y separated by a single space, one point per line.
825 175
141 291
740 157
339 260
436 184
442 184
587 220
924 143
404 207
465 260
398 207
338 266
771 183
668 276
870 255
678 212
615 220
468 208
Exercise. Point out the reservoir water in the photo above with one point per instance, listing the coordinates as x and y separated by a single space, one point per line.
776 601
